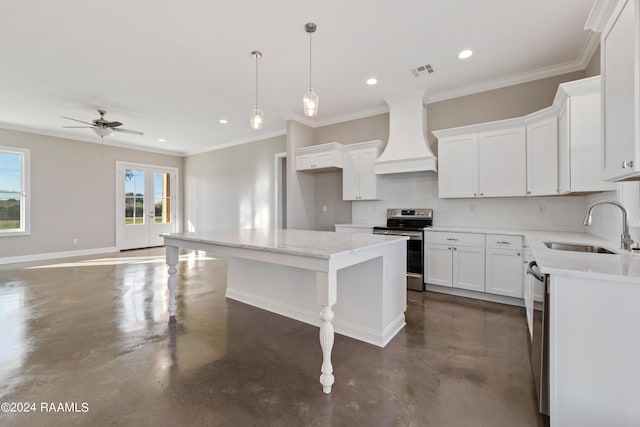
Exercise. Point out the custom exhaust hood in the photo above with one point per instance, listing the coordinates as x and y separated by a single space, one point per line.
407 149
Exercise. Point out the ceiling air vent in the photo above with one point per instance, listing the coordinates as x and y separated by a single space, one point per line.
422 70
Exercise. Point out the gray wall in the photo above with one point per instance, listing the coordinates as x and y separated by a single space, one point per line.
233 187
498 104
72 192
593 67
351 132
300 185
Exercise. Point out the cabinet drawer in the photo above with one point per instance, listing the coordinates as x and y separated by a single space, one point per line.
459 239
503 241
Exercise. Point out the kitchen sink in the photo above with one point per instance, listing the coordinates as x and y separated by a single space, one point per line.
577 247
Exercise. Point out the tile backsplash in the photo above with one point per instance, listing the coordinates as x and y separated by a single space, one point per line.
420 190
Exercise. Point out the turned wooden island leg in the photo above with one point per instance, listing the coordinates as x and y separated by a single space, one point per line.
326 294
172 262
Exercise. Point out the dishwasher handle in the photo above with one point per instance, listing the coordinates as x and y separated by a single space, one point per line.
534 271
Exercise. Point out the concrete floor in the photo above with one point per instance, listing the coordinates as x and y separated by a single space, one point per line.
94 332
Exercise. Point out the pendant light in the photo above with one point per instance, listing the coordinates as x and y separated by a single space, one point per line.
310 99
257 116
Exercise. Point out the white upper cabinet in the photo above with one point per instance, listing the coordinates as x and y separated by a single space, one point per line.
580 137
482 164
556 150
359 181
319 158
542 157
618 23
458 166
502 163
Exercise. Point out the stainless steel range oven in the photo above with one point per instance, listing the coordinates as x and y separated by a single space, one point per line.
410 222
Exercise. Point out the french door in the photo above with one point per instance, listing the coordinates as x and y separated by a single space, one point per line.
147 199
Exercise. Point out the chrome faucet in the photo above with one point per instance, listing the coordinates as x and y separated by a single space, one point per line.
625 238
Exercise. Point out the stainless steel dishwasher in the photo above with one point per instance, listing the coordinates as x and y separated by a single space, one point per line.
540 342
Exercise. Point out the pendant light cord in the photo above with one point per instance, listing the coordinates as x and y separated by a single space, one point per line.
310 56
257 57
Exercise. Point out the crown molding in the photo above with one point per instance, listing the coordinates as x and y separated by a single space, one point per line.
600 13
241 141
514 79
341 118
109 142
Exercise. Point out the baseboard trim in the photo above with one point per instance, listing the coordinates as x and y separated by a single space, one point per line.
368 335
518 302
55 255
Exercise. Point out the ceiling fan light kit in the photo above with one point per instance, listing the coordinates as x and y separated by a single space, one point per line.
310 98
102 127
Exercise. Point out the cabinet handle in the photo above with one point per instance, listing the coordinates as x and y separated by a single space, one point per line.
475 194
455 249
452 239
627 164
518 253
528 192
482 194
449 248
503 242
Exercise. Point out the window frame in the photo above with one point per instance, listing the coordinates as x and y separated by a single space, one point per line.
25 184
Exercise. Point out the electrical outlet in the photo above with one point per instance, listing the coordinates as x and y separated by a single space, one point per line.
75 241
324 208
542 209
472 208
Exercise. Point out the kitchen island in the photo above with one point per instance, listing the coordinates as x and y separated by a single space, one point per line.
358 280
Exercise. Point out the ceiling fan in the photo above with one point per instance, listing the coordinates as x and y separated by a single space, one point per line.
102 127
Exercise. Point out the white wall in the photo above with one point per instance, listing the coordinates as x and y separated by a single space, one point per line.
420 190
301 204
233 187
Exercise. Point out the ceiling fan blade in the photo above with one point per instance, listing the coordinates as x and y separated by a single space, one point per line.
134 132
78 127
76 120
113 124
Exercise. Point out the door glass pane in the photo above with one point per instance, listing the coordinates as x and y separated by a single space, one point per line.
162 197
11 200
134 197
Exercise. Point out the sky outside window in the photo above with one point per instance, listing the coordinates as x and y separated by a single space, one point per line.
10 177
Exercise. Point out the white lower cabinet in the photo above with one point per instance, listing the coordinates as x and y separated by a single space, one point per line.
454 260
504 265
491 263
468 268
504 272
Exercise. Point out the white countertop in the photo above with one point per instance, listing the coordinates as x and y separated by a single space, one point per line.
315 244
623 266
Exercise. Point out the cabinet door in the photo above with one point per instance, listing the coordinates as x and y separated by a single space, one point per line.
367 178
585 132
564 149
324 160
438 264
619 53
458 166
542 157
504 272
350 175
502 164
304 162
468 268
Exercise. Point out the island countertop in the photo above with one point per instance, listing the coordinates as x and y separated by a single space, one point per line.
315 244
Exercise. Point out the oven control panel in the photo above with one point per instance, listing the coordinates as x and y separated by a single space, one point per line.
410 213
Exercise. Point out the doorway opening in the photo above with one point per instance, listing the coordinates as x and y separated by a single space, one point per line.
146 204
281 190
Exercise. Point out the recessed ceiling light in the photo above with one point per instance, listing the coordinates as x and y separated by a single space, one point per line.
465 54
162 140
223 121
372 81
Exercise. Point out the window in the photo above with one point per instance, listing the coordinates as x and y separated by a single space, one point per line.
14 191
